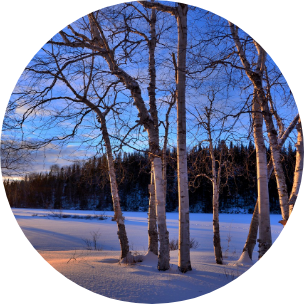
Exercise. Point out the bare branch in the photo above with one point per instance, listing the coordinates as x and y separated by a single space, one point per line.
161 7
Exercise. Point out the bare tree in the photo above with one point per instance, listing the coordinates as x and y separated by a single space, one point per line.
85 93
254 224
256 77
100 45
255 74
298 168
154 149
180 13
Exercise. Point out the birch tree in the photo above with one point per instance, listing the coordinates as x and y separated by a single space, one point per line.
154 145
256 77
215 179
254 224
180 13
205 119
275 136
298 168
76 83
265 240
152 221
99 44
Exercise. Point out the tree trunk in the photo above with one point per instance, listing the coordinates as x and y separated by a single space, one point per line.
164 254
275 154
182 172
253 231
216 178
256 77
154 143
264 240
216 226
152 223
298 168
180 12
122 234
254 225
148 120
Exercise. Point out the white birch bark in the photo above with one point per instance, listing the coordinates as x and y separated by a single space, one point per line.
254 224
265 240
184 263
122 235
276 157
253 231
180 13
164 258
216 179
153 143
150 122
255 77
216 223
152 222
298 168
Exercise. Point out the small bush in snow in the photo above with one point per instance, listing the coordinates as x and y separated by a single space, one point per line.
92 244
173 244
194 244
88 244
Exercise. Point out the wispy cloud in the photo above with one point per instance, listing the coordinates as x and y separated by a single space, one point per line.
51 154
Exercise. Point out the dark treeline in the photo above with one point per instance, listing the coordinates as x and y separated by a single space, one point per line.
86 185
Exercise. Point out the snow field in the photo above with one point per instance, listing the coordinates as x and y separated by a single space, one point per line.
60 241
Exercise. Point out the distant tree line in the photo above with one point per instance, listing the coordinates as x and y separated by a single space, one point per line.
86 185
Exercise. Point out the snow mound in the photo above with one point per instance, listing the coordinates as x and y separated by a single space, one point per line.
132 259
244 260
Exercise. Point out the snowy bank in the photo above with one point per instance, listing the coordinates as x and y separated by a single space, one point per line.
62 242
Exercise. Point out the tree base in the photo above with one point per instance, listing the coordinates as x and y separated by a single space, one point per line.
185 269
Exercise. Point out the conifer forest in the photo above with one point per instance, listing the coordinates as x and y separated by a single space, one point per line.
86 185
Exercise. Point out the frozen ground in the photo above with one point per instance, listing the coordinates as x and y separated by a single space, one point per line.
61 242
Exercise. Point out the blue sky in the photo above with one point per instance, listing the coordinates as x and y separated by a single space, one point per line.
76 149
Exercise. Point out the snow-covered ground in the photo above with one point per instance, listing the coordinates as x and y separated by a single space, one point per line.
63 243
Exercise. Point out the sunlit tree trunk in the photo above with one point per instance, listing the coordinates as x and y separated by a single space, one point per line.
152 223
216 223
253 231
180 13
254 224
153 144
276 156
298 168
122 235
264 240
164 258
256 77
146 118
215 179
182 171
